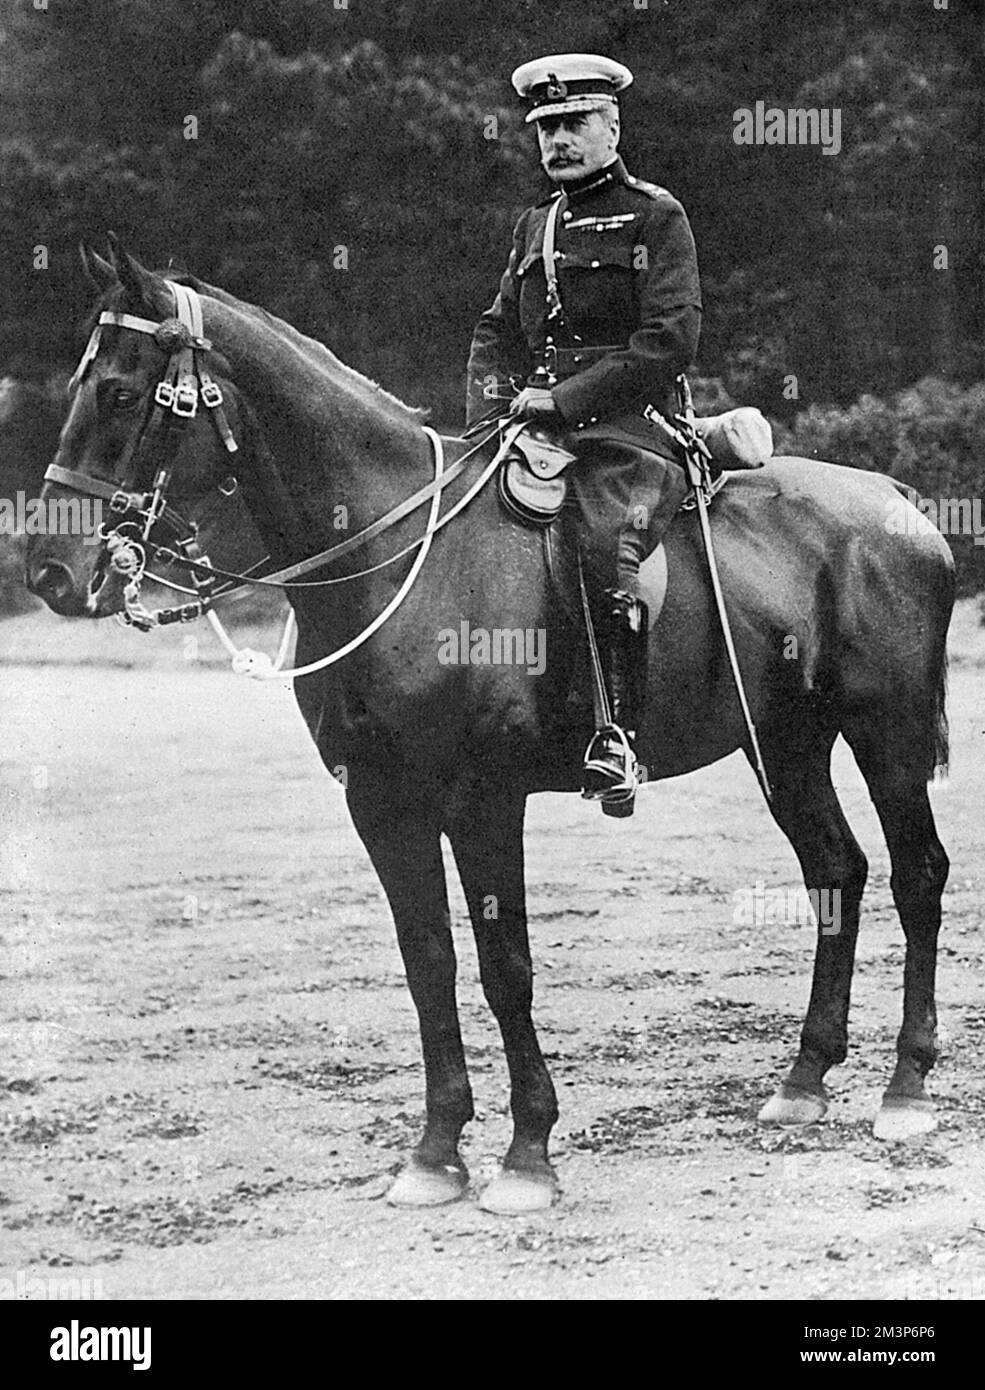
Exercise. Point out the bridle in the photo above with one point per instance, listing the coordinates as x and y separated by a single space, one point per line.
153 451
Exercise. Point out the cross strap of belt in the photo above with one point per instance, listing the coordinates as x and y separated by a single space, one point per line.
554 323
555 309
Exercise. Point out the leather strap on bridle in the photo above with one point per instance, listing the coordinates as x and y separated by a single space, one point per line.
184 381
281 579
189 308
118 498
152 448
175 402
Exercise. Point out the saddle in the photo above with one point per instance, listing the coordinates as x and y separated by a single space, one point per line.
531 481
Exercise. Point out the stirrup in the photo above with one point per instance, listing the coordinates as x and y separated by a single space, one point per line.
619 784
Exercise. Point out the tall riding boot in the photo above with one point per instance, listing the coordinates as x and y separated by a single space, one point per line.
610 772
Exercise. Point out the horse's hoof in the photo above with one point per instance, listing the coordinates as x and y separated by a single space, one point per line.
789 1107
418 1186
512 1193
904 1117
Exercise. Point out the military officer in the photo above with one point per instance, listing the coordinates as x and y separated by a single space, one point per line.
597 341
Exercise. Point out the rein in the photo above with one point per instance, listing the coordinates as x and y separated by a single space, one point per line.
283 579
177 394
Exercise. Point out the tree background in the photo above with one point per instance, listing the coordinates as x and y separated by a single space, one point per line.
365 125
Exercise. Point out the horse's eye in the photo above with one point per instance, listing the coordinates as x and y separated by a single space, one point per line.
125 400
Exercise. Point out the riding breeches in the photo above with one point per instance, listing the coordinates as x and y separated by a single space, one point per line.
627 495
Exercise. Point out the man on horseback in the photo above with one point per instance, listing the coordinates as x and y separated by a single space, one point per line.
598 311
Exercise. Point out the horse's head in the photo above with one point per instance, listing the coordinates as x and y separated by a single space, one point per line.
149 448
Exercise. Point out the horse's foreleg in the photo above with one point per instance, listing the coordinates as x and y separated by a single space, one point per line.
807 810
401 832
486 833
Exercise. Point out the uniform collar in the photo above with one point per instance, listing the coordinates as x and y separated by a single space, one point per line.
613 172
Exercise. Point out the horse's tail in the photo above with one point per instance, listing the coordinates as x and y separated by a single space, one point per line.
939 711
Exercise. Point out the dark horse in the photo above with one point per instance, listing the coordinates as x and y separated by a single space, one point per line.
840 620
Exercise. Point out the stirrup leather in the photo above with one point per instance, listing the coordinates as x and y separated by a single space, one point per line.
621 784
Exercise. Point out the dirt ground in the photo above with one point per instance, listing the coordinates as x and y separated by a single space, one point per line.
210 1066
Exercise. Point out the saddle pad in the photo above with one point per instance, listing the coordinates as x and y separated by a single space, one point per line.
653 582
653 571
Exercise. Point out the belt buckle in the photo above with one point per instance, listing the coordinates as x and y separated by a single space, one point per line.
164 395
200 581
211 395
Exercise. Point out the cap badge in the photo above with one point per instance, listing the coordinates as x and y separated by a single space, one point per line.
556 89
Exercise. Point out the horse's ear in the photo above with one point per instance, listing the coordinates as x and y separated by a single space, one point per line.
98 271
143 285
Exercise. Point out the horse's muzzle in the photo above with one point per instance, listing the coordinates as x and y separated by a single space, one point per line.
54 582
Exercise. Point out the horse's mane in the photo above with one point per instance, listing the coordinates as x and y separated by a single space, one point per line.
311 348
316 353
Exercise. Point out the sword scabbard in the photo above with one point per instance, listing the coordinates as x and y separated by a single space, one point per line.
696 455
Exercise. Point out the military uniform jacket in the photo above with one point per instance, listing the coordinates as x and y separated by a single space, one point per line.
628 279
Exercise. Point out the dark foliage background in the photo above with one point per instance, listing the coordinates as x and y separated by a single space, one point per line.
365 127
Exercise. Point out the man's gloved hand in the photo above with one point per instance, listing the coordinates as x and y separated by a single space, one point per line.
533 403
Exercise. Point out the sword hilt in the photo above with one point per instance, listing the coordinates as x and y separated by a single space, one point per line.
684 398
697 452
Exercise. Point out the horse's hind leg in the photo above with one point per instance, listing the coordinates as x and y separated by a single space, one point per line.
886 755
401 831
485 826
807 810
